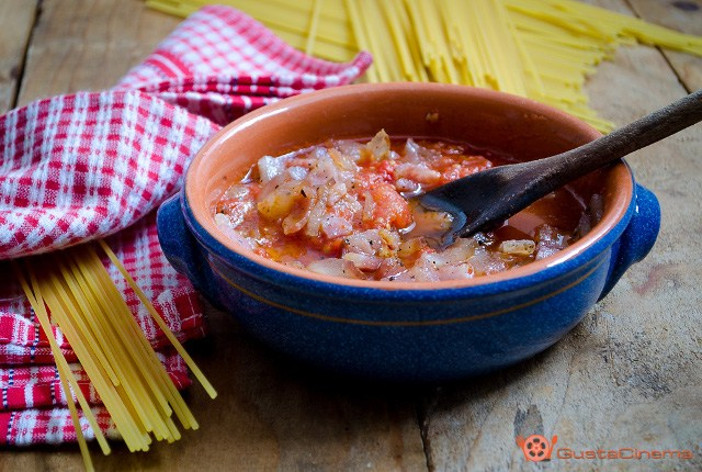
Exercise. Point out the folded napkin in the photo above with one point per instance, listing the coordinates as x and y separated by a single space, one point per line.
97 164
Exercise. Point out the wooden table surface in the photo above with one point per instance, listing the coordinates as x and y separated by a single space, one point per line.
629 376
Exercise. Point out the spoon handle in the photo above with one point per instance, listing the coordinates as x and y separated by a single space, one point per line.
481 200
560 169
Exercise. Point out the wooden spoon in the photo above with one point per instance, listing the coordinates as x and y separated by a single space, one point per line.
485 199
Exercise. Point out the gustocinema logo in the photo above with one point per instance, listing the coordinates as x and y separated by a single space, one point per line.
623 453
537 448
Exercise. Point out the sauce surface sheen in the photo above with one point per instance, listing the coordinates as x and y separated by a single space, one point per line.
343 208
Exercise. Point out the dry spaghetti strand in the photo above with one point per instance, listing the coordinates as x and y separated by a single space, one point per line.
78 296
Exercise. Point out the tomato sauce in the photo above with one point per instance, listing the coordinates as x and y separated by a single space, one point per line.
344 208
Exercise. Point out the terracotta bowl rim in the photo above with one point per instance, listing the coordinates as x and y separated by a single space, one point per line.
610 219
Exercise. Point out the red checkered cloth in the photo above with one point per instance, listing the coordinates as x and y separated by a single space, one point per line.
97 164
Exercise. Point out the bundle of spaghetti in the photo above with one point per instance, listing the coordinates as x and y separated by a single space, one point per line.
578 16
68 381
124 369
433 43
567 39
314 24
494 62
540 49
408 51
362 36
329 36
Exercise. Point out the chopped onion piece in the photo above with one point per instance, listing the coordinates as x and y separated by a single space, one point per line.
270 167
335 267
518 247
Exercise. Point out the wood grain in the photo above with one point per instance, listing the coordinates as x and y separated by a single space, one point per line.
681 15
270 415
89 45
629 374
16 22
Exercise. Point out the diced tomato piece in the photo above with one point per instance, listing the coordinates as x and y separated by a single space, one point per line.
453 170
333 247
369 177
391 210
385 170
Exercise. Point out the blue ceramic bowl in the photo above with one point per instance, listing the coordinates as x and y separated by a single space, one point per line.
405 331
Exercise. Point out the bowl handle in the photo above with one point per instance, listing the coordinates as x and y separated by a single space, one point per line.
638 237
182 250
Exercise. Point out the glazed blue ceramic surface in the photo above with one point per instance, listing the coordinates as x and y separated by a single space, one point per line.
407 335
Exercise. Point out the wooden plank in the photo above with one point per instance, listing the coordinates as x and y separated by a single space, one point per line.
272 415
89 45
684 16
16 21
269 414
629 375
